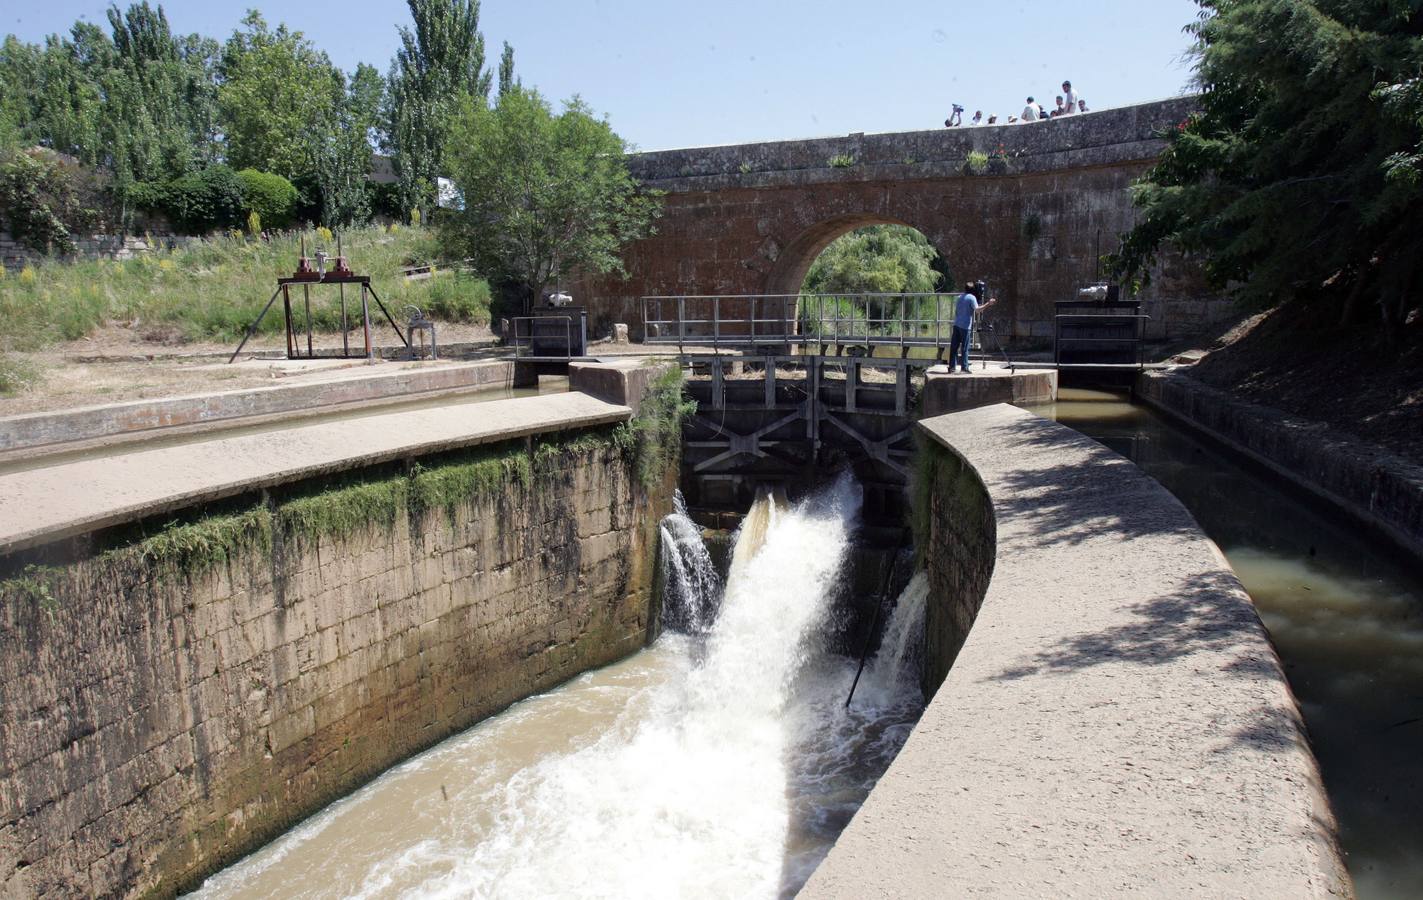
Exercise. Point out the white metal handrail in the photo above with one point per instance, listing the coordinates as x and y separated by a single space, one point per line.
728 320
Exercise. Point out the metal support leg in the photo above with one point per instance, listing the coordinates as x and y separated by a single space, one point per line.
366 325
770 382
252 329
306 292
287 309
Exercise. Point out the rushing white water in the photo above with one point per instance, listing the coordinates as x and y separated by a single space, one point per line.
720 762
693 587
840 751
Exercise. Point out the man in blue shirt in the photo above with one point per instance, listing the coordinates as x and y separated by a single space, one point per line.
968 304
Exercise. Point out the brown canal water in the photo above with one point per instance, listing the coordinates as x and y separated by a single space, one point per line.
1345 615
719 762
273 425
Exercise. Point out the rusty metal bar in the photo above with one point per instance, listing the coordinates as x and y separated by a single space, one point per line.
252 329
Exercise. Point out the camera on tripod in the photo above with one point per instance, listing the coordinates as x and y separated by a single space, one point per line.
979 289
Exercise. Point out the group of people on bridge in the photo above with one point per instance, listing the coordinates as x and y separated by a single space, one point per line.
1068 103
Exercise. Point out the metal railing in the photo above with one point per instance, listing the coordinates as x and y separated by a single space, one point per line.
541 334
750 320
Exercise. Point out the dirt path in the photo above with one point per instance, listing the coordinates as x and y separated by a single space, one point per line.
116 364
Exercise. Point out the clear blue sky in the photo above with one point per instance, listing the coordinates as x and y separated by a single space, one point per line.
673 74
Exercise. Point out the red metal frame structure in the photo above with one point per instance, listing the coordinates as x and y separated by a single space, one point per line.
368 293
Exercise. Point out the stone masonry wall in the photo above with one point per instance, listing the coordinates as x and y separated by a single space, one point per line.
15 255
162 720
1033 222
956 538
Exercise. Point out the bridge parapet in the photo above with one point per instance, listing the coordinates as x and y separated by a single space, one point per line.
1125 134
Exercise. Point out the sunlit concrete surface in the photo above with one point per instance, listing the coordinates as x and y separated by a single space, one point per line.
45 504
1116 723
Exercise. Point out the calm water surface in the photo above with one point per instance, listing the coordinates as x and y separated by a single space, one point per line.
1346 618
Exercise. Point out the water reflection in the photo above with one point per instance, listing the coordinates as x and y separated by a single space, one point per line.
1346 618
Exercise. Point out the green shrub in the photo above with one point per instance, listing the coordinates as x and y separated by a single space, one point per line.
271 197
841 161
385 201
976 163
46 197
197 203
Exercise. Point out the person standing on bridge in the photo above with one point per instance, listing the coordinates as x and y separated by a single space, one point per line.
969 303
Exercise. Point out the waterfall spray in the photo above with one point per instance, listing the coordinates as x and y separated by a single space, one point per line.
693 588
719 762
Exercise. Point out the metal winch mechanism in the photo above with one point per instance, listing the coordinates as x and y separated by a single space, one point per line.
419 324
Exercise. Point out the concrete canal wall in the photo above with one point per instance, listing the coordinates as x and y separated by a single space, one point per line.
184 691
1108 716
1371 484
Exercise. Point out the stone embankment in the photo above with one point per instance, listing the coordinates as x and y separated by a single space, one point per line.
15 255
1108 716
1372 485
188 686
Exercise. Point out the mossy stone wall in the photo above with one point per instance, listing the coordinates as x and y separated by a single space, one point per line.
955 536
176 700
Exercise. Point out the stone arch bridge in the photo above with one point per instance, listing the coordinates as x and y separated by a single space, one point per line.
1033 222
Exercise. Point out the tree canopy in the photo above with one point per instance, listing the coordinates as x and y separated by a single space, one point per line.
544 194
279 99
439 66
1301 175
154 111
876 259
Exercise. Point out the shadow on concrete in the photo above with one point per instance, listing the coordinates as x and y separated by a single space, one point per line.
1204 615
1100 494
1208 614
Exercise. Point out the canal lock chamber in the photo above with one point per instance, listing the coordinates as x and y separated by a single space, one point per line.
721 760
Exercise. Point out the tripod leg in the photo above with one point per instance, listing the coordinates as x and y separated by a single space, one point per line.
252 329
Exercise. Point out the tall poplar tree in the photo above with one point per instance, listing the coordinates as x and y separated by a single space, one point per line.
440 62
280 99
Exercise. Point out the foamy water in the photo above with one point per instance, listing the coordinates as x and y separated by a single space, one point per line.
720 762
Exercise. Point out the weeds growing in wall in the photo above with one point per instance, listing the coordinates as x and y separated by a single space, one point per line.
655 435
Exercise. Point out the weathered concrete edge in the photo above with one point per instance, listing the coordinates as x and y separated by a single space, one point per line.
929 828
128 513
946 392
622 381
1374 486
932 170
46 429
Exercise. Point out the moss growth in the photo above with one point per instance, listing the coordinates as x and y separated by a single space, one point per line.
36 585
479 474
655 435
343 511
651 442
196 547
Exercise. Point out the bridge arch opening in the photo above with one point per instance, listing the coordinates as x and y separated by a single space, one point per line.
796 261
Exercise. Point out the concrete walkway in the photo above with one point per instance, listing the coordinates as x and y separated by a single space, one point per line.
1116 723
47 504
345 386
